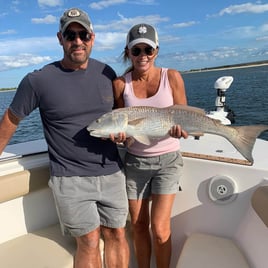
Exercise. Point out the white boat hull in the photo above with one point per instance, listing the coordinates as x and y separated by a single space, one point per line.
197 207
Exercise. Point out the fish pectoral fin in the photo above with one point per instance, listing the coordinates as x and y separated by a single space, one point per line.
143 139
135 122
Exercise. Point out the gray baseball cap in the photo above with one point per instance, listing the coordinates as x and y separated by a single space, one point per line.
75 15
142 33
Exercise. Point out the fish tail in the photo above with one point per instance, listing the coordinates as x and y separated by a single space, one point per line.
245 139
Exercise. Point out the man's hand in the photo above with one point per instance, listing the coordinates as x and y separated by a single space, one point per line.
119 138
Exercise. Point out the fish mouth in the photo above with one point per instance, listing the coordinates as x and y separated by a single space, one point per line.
93 133
90 130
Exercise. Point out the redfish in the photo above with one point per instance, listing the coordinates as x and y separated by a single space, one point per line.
145 124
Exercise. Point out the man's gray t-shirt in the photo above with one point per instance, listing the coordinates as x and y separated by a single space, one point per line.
68 101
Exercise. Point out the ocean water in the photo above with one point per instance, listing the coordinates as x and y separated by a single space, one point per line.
247 97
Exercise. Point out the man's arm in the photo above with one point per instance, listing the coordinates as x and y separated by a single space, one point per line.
8 126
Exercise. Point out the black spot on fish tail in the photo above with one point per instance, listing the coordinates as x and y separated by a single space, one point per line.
245 139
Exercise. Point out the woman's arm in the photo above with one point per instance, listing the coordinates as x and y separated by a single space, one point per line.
179 97
177 85
118 88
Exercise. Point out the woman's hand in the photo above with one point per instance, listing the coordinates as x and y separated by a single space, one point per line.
177 132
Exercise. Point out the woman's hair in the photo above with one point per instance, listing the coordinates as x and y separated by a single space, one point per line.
126 59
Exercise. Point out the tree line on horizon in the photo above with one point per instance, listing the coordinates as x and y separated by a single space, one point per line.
231 66
11 88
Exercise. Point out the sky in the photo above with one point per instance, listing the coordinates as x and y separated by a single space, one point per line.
193 34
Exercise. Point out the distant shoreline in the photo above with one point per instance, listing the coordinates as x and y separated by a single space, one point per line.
226 67
7 89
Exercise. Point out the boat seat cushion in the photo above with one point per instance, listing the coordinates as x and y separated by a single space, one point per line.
259 203
208 251
23 182
43 248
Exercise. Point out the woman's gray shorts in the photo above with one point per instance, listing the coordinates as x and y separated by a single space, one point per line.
153 175
85 203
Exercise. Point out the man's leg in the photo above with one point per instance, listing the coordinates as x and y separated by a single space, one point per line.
88 251
116 247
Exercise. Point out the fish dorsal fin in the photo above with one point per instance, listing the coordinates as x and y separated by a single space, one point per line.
188 108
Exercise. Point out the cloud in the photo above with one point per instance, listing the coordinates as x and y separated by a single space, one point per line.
8 32
169 38
3 14
49 19
252 32
124 23
262 38
15 6
106 3
21 60
42 50
185 24
109 40
244 8
201 59
50 3
264 28
117 37
240 32
34 44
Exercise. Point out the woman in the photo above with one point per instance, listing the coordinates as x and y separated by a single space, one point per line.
152 171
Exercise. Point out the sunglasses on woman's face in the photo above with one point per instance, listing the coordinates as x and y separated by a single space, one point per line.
136 51
71 35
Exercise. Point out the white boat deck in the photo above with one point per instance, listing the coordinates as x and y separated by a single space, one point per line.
23 149
217 148
207 147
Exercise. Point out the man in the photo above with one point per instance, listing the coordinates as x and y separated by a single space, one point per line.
86 177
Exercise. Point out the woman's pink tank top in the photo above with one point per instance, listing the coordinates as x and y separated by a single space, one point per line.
162 98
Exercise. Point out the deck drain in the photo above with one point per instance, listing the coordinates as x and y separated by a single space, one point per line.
222 189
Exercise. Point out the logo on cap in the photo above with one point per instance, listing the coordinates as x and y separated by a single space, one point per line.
74 13
142 30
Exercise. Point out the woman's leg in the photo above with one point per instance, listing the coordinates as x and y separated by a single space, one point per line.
160 224
140 221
